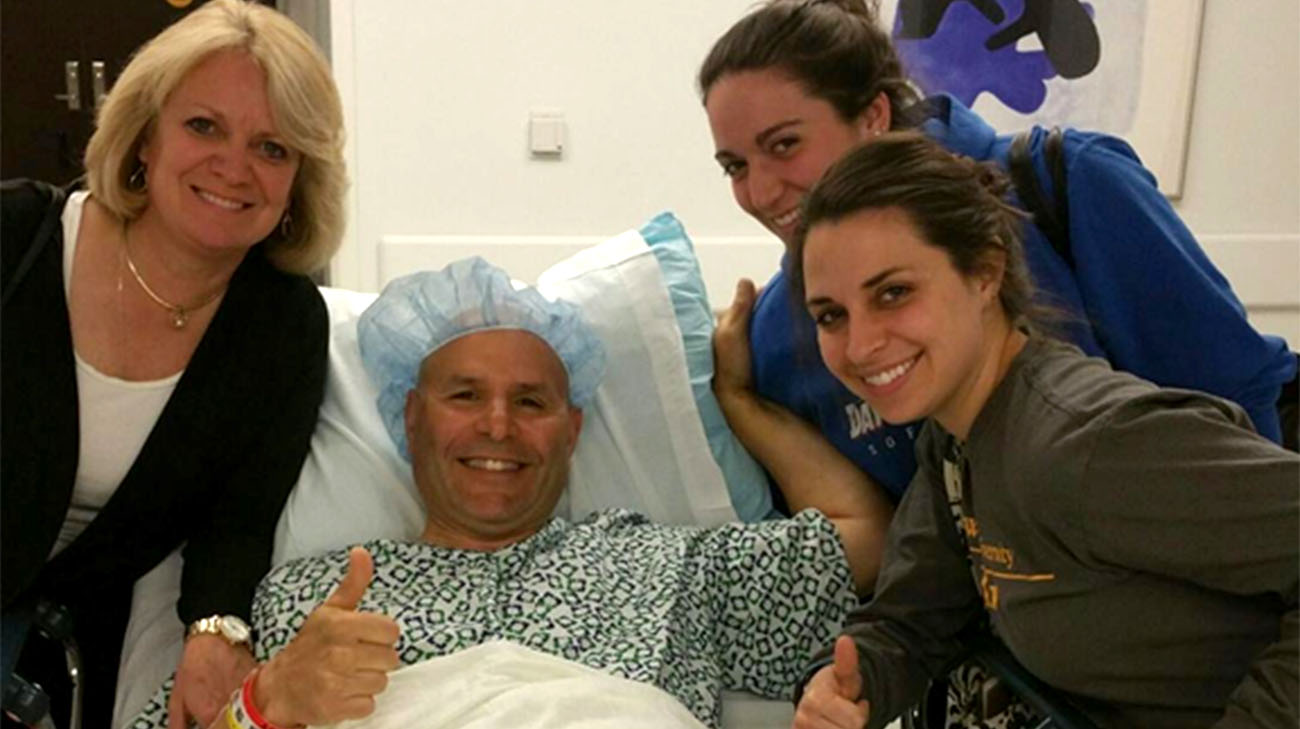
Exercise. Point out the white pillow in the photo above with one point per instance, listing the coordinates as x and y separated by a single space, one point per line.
354 485
642 446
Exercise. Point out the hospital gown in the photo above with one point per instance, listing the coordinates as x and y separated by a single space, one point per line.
690 610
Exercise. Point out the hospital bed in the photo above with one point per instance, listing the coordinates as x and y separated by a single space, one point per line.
654 441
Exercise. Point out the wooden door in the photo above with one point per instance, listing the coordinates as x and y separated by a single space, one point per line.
41 137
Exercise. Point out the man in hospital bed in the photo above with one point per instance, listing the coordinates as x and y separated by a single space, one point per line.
481 388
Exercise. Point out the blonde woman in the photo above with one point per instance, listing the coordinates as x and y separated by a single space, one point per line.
164 351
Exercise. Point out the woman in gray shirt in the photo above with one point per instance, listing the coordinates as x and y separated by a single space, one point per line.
1133 546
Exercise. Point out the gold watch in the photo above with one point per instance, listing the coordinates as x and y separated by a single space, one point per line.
230 627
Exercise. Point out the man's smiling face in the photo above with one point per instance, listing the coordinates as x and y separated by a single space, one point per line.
491 433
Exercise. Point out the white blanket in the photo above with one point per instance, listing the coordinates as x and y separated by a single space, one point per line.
502 684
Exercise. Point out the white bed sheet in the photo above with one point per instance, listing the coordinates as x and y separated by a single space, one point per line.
503 684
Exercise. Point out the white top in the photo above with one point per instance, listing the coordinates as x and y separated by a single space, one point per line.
115 415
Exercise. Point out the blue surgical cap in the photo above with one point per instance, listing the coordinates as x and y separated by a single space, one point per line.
417 315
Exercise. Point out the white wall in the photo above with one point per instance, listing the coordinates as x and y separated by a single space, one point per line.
1241 191
438 95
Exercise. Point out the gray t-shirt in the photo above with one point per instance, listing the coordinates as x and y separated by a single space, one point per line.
1136 547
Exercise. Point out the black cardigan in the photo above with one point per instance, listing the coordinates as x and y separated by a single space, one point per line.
216 468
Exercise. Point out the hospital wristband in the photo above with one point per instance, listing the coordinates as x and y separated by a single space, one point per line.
243 711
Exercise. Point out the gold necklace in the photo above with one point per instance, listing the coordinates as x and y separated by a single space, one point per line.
180 315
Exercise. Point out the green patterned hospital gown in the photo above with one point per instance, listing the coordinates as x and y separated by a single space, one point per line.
688 609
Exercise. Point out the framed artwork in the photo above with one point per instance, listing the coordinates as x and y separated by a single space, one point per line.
1125 67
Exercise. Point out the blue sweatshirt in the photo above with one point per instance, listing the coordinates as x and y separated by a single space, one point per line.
1143 293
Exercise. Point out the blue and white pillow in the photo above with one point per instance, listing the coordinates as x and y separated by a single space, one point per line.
746 480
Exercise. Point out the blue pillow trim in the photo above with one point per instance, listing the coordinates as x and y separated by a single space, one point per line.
746 480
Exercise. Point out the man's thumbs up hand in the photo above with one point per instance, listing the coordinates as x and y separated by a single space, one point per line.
338 662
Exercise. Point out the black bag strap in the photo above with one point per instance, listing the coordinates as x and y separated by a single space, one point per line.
1054 152
1051 215
53 214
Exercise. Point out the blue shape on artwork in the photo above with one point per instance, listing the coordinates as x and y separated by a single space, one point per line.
956 46
920 18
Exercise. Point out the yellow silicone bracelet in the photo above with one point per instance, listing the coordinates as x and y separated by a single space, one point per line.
231 721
